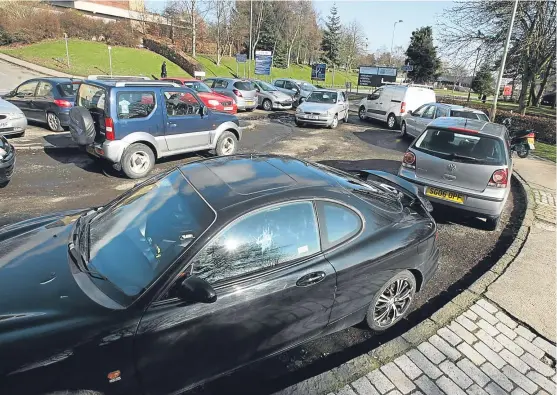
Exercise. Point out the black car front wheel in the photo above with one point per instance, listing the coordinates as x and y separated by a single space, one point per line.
227 144
392 302
54 122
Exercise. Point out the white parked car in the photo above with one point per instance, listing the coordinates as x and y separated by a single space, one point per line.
323 107
12 119
390 102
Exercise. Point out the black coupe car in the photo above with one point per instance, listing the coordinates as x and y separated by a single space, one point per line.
204 269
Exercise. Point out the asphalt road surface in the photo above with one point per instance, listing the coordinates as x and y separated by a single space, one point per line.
49 180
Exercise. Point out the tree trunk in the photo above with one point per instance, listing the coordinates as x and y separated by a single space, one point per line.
537 99
525 93
193 31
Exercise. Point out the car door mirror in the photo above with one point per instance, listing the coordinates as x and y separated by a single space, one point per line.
257 90
196 290
204 111
302 99
373 97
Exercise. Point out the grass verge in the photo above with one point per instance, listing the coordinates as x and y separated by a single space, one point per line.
90 57
546 151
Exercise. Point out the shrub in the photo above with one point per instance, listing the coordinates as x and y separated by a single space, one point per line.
172 53
120 33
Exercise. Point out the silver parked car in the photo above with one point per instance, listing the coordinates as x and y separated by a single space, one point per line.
294 88
12 119
241 91
323 107
464 164
270 98
413 123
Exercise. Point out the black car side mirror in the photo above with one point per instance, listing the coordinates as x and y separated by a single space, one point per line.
204 111
197 290
302 99
369 97
257 90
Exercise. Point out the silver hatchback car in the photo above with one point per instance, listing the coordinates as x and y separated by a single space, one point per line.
324 107
241 91
462 163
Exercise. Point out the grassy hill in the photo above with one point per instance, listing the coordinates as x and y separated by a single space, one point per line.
227 68
90 57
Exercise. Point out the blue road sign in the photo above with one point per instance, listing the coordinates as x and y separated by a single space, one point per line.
318 71
263 60
407 67
241 58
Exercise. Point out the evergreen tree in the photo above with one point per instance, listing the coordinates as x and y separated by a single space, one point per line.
422 54
483 83
331 38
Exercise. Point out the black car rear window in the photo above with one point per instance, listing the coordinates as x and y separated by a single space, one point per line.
69 89
244 85
469 115
462 147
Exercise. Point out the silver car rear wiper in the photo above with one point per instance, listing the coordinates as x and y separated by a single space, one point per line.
464 157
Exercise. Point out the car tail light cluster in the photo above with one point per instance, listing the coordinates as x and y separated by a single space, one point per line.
62 103
499 178
403 107
109 128
237 92
409 160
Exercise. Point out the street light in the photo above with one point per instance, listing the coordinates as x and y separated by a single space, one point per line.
110 59
392 42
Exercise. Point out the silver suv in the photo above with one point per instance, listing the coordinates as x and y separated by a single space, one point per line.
464 164
241 91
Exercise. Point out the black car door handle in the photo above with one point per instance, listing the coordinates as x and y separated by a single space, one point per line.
310 279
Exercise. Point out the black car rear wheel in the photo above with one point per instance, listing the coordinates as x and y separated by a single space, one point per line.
491 223
54 122
392 302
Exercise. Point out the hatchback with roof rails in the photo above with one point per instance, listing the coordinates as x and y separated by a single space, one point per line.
462 163
242 92
132 124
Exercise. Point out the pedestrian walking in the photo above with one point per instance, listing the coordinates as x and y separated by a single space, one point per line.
163 69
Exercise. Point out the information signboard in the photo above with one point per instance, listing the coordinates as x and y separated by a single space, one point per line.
263 61
374 76
318 71
241 58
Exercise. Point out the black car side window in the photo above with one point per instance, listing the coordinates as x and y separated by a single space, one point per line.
259 241
135 104
44 89
279 83
429 112
338 223
27 89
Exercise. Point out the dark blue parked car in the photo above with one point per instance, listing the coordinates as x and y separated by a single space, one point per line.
46 100
133 123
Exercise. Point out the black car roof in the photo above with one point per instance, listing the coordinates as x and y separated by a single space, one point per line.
226 181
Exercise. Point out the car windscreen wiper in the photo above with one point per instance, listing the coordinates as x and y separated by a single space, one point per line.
463 157
79 255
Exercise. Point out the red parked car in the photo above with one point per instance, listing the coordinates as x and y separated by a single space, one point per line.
215 101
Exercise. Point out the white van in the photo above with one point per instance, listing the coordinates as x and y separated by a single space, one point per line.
390 102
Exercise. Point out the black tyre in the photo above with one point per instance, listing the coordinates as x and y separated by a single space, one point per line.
53 122
391 121
4 184
82 127
334 123
250 109
491 223
227 144
362 113
267 105
137 160
522 151
392 302
298 123
403 133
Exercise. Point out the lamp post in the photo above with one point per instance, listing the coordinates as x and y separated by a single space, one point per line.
392 42
67 52
502 69
110 59
473 74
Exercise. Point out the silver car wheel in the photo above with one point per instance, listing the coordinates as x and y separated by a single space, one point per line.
391 121
139 162
53 122
267 106
334 123
403 129
362 113
393 303
228 146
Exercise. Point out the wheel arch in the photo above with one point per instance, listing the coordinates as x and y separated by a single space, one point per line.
419 277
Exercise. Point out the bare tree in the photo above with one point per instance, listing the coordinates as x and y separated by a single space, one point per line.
222 13
259 14
294 14
353 43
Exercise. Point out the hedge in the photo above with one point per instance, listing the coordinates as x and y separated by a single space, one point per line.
543 126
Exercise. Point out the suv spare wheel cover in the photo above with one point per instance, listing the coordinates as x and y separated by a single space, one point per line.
82 127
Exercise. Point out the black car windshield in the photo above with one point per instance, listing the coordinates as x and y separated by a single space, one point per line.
266 87
322 97
469 115
135 240
462 147
198 86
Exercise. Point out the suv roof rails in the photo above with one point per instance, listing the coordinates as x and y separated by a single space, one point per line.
117 77
121 84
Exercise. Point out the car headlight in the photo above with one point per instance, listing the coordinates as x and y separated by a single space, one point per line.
213 102
15 115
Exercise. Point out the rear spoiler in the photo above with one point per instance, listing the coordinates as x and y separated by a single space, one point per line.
409 190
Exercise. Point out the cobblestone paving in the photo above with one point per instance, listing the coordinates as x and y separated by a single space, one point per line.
482 352
545 205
